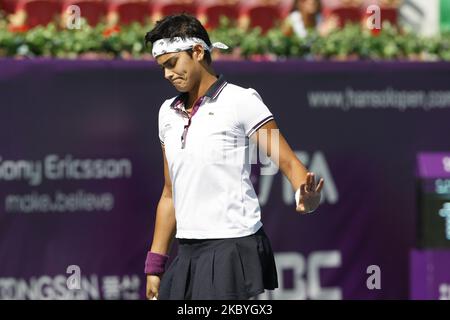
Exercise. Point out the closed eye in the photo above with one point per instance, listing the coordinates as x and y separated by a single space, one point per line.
170 63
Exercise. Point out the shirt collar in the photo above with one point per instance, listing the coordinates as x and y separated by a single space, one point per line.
213 92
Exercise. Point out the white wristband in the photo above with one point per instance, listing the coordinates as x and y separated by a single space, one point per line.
297 196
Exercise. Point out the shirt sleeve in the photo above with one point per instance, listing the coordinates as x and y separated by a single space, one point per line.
252 113
160 123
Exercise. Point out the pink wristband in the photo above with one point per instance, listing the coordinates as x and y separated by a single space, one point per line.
155 263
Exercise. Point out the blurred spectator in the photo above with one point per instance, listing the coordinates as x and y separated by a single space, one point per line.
285 7
421 16
306 15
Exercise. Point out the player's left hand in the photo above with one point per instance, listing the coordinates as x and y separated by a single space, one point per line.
310 194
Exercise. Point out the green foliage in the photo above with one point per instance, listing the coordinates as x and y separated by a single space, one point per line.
350 42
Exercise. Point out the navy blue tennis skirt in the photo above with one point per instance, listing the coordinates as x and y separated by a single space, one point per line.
220 269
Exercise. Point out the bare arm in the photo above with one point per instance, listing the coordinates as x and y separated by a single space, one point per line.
165 227
165 224
284 157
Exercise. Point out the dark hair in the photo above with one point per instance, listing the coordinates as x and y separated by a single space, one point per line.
295 5
179 25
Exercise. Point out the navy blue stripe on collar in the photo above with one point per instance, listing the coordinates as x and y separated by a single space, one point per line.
216 87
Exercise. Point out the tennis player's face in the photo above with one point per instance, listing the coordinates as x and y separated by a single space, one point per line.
180 69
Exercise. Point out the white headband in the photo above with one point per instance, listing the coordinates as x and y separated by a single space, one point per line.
177 44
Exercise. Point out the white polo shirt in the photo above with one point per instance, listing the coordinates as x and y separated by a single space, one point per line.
210 172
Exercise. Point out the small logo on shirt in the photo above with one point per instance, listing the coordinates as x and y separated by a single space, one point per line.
166 128
211 113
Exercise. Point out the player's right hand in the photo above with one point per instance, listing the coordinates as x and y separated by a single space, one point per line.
153 282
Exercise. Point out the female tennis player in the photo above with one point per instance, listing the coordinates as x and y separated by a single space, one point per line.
208 202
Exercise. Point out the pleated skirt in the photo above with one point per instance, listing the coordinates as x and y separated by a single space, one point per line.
220 269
